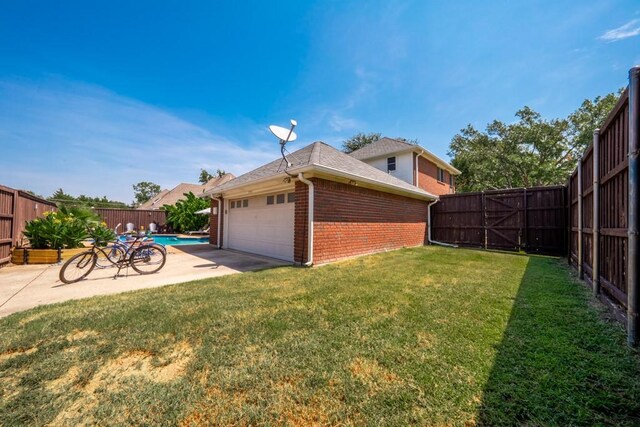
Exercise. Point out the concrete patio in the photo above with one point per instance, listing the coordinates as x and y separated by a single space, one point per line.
24 287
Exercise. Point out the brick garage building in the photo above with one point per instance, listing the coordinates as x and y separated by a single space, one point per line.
354 209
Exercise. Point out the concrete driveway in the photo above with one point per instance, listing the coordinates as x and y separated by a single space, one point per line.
24 287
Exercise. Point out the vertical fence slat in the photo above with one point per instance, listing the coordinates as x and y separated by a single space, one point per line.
633 219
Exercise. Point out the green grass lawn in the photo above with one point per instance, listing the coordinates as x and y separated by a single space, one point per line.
418 336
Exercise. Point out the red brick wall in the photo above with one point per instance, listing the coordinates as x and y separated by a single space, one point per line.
428 178
350 220
213 223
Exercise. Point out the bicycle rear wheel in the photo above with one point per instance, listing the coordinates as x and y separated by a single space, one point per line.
148 259
78 267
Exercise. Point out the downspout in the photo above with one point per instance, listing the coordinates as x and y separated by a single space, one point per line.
219 219
429 228
309 220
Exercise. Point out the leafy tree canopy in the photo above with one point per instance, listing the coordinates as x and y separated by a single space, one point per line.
530 152
204 176
143 191
183 217
359 140
64 199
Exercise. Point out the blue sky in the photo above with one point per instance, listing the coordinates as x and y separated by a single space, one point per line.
96 96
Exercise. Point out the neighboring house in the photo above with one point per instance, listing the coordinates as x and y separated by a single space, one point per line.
411 163
327 205
171 197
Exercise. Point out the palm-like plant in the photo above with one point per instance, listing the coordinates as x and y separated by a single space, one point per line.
183 217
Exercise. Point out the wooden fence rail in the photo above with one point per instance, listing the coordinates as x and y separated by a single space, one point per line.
16 208
521 219
139 218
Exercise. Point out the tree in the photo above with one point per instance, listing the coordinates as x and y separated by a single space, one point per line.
204 176
145 190
183 217
587 118
220 173
60 196
531 152
358 141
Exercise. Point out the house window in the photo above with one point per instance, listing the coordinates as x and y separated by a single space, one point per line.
280 199
451 180
269 200
441 175
391 164
291 198
233 205
245 203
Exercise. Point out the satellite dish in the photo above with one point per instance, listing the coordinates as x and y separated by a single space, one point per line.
283 134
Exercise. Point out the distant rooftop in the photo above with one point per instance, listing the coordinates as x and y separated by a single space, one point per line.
385 146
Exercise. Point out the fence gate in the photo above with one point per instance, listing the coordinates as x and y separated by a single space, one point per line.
521 219
504 220
8 201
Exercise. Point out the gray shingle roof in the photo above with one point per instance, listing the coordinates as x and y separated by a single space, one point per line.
381 147
171 197
324 156
385 146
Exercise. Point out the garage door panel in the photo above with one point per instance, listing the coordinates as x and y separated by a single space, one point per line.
263 229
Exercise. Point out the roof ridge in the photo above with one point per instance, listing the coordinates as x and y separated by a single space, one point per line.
314 157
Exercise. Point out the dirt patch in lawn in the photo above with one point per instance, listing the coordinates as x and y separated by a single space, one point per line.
79 335
111 377
375 376
7 355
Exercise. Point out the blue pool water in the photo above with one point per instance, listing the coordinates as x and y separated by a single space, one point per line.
174 240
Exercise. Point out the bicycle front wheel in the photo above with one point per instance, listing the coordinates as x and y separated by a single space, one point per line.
110 256
148 259
78 267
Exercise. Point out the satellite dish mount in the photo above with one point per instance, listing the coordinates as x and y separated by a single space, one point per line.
284 135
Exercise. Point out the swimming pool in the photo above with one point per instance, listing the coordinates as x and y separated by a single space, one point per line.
175 240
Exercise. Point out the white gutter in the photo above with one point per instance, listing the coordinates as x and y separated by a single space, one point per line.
219 219
429 228
309 220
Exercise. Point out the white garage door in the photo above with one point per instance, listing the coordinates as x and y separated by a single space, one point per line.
262 225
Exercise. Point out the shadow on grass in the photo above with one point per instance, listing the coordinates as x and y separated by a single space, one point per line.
559 362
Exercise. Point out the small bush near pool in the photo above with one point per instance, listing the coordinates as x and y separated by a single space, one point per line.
66 229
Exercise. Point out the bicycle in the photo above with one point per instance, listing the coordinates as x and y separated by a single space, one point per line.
116 251
143 258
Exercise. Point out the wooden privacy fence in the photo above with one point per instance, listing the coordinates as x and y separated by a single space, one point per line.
603 196
16 208
522 219
139 218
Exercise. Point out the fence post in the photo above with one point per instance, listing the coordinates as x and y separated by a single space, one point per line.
484 219
567 203
634 206
579 248
526 237
595 272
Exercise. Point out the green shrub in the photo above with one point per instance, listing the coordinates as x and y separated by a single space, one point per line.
66 228
183 217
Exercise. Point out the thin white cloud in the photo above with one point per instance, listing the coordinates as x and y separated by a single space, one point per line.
630 29
91 141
